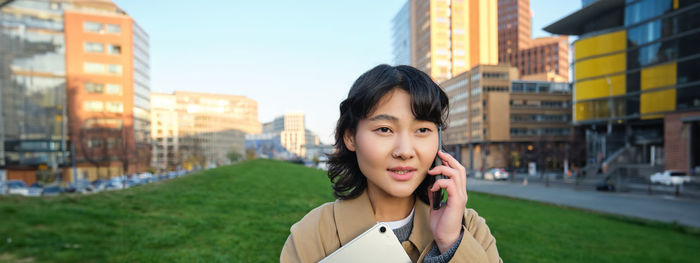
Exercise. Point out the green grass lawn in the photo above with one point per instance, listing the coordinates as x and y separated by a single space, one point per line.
242 213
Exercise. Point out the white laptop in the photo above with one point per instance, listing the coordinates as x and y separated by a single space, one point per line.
378 244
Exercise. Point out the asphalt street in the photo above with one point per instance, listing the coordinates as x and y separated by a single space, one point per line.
664 208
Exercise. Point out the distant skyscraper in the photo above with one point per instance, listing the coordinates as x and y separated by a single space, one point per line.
401 34
545 58
290 130
449 37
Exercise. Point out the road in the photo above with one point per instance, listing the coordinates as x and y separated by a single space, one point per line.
662 208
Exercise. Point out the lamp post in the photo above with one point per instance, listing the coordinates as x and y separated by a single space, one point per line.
610 104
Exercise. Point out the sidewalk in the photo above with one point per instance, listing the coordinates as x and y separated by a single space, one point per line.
664 208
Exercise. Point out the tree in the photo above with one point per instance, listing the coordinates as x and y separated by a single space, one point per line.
92 146
125 153
234 156
250 154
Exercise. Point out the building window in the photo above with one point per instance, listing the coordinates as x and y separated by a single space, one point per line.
115 106
94 87
115 89
112 142
91 47
114 69
90 67
114 29
93 106
93 27
115 49
103 123
94 142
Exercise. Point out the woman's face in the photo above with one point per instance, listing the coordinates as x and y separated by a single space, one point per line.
394 150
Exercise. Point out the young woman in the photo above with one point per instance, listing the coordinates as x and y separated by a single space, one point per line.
386 141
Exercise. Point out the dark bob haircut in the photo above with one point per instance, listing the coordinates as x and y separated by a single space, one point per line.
428 103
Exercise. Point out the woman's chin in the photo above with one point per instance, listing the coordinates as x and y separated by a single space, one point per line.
402 192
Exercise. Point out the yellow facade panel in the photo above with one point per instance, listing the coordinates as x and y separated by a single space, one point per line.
600 87
600 66
658 76
581 113
600 44
658 101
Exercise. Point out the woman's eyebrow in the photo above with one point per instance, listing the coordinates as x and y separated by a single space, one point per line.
384 117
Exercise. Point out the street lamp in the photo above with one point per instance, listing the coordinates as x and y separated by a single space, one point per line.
610 104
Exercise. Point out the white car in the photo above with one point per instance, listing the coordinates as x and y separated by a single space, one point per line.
670 177
496 174
115 183
17 187
35 190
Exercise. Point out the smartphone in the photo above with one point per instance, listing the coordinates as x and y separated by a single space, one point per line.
439 197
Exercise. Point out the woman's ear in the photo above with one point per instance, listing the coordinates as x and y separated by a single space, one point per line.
349 140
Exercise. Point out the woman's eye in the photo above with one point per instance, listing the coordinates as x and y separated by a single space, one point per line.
423 130
383 130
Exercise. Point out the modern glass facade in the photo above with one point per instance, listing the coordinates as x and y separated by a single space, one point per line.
66 60
401 35
142 86
635 64
32 84
641 69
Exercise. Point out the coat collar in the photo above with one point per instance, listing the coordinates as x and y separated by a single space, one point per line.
355 216
421 235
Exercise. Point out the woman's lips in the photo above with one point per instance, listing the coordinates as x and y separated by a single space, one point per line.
401 174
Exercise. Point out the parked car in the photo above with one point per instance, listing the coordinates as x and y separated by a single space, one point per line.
35 189
496 174
670 177
52 190
147 177
133 181
17 187
115 183
99 185
80 185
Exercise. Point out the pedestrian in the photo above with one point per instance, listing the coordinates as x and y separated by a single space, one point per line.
386 140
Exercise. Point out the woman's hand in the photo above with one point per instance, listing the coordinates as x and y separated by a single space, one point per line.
446 222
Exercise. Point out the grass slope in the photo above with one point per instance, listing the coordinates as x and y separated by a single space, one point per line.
242 213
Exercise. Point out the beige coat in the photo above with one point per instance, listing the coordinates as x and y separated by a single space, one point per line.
332 225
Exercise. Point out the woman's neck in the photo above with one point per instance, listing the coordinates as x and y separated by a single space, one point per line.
389 208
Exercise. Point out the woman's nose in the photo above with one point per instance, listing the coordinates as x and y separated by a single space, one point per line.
404 149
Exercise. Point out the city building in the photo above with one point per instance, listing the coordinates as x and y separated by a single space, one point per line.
447 37
193 129
266 145
290 130
164 132
545 58
636 81
75 84
498 121
401 37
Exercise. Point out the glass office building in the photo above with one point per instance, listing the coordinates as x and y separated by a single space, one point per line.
32 85
401 36
636 78
70 71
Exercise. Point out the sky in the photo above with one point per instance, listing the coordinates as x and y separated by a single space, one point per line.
286 55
